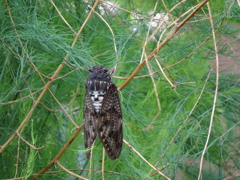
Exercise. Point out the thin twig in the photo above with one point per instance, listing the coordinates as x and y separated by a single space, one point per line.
91 162
145 159
133 13
17 158
63 107
147 39
93 170
165 76
160 170
168 12
59 13
113 36
25 97
215 96
28 142
70 172
103 162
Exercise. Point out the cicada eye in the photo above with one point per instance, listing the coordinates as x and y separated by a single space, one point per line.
90 70
105 69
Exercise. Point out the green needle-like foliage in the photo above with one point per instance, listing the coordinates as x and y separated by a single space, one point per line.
180 111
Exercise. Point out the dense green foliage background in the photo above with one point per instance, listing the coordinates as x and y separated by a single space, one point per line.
168 124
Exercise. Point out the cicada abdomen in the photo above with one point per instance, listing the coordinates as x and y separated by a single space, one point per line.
102 112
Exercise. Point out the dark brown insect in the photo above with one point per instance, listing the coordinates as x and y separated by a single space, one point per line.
102 112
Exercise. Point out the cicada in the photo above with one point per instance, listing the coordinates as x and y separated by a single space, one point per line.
102 113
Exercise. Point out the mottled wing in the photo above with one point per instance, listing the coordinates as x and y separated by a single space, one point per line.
89 123
110 123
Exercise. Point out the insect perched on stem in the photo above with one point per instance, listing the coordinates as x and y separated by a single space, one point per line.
102 112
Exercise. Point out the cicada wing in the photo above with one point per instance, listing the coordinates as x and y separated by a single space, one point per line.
110 123
89 124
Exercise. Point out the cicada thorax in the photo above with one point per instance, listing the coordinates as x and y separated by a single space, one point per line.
97 89
97 84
